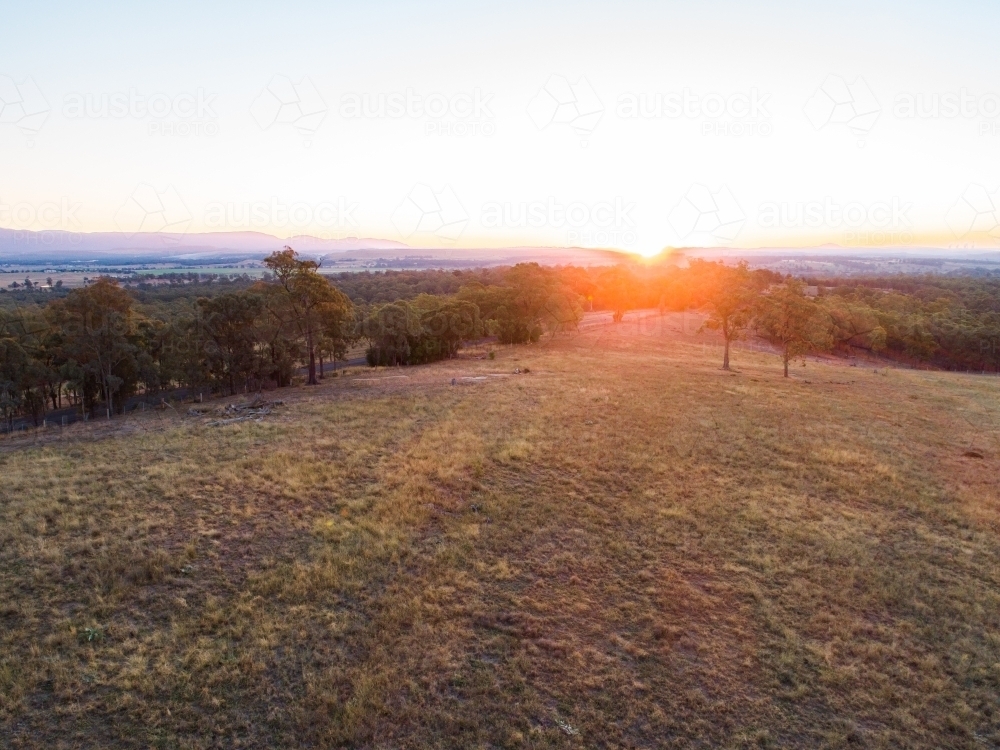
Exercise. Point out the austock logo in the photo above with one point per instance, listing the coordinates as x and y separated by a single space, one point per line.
875 223
276 214
296 104
733 114
976 213
950 105
601 224
457 114
706 216
436 215
23 105
149 210
560 102
183 114
51 215
837 102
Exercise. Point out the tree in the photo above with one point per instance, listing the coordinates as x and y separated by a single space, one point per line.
618 290
504 318
580 282
13 368
97 324
304 301
428 329
446 324
792 321
31 379
282 350
338 327
854 324
229 322
391 331
541 299
730 298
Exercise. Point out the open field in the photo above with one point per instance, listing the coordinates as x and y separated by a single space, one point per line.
623 547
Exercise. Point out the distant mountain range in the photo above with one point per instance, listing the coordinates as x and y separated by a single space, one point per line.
35 247
850 251
207 248
19 246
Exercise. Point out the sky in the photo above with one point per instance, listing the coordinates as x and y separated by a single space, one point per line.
633 125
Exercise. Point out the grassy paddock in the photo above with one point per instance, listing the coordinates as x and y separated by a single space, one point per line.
624 547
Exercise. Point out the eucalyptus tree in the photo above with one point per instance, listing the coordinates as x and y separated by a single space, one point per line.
304 302
786 317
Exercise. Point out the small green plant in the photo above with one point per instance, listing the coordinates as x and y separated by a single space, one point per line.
91 635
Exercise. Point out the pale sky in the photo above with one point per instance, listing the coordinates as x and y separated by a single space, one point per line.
627 124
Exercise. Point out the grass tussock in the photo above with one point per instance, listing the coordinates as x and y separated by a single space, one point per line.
624 547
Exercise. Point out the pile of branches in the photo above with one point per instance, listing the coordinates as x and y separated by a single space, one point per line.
254 411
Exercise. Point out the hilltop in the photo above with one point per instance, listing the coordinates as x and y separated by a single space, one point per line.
599 540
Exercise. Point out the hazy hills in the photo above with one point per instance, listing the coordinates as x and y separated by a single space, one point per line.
20 246
34 247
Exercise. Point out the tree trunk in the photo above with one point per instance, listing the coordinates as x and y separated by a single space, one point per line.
321 373
785 358
312 367
725 355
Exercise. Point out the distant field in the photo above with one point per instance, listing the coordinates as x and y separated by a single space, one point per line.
622 547
73 279
69 279
222 270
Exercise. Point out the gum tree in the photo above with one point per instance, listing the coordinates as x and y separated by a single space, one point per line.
730 296
793 322
304 302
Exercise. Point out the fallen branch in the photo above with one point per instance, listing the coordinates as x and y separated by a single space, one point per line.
254 411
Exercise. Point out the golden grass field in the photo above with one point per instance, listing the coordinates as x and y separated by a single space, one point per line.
624 547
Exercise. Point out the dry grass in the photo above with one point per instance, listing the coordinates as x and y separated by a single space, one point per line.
624 548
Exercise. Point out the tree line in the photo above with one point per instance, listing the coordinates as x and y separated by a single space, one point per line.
949 322
946 322
98 346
